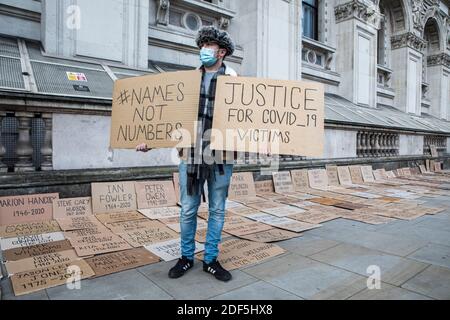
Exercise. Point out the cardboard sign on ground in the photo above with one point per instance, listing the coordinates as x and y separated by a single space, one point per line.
326 201
264 187
26 208
236 253
155 194
265 205
314 217
241 226
434 152
300 179
283 211
155 233
129 226
113 197
104 243
344 176
107 218
73 207
40 279
269 116
43 261
85 232
161 213
332 174
318 178
171 250
367 174
120 261
283 223
26 241
36 250
28 229
355 173
153 109
242 185
242 211
272 235
77 223
282 182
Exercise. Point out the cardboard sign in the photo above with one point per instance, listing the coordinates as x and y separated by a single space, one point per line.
161 213
36 250
261 116
27 208
73 207
155 233
344 176
262 205
28 229
129 226
282 223
437 167
236 253
241 226
314 217
367 174
355 173
332 174
434 152
272 235
264 187
171 250
318 178
107 218
85 232
242 211
176 185
282 182
432 165
113 197
77 223
155 194
43 261
40 279
283 211
26 241
120 261
155 109
300 179
242 185
326 201
104 243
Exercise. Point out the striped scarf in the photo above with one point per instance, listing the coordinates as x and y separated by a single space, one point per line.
201 163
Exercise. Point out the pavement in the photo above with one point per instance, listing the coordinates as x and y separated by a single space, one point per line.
336 261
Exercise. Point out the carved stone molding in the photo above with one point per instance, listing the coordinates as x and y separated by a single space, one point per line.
162 16
224 23
408 39
439 59
357 9
421 9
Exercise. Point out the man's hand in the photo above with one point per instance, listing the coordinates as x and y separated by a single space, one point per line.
142 148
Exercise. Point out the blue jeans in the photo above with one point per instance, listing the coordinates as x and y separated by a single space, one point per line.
217 195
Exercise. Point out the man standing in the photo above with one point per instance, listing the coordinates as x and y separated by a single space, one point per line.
200 164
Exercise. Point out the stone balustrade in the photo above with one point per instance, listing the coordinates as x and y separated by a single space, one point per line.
371 144
25 141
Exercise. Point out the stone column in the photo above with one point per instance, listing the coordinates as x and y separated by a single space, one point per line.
3 167
24 149
46 150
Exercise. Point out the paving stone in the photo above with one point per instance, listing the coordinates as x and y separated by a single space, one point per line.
433 282
432 253
388 292
394 270
257 291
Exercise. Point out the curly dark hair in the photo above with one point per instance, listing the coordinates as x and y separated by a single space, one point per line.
211 34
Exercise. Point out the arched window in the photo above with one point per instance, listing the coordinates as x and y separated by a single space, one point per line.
431 36
310 11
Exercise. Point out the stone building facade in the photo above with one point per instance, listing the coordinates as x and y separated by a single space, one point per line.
385 65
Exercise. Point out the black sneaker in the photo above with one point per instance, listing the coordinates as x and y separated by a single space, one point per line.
217 271
182 266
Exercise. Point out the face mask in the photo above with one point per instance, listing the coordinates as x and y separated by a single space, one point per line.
208 57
